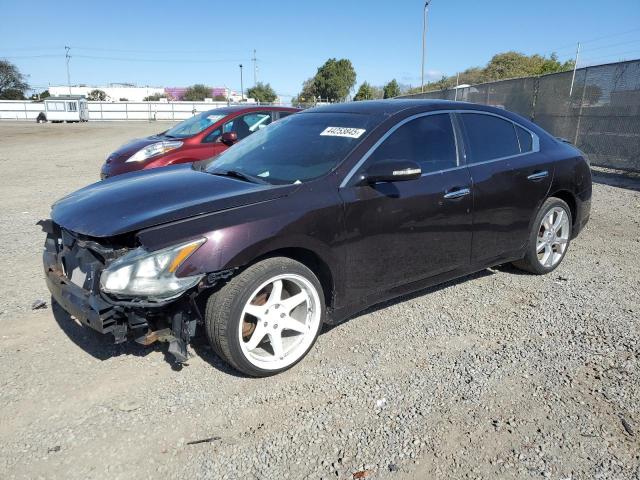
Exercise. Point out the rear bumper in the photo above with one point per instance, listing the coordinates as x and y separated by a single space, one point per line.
583 211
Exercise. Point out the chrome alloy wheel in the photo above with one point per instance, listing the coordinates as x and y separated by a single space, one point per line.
553 237
279 322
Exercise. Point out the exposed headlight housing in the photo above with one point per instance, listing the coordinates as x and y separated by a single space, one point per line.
152 150
151 275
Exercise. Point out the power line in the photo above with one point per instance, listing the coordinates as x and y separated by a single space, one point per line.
591 40
613 45
158 60
102 49
33 56
611 56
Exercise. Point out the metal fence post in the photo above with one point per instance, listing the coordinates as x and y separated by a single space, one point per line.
534 97
579 119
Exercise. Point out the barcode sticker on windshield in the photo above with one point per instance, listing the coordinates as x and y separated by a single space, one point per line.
343 132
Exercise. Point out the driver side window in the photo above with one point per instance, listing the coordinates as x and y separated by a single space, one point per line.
213 136
429 141
245 125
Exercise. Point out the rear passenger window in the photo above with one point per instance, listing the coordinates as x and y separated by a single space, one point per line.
524 138
428 141
489 137
283 114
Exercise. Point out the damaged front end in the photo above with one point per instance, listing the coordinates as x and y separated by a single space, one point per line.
109 286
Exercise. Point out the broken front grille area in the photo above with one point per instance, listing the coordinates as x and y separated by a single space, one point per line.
73 265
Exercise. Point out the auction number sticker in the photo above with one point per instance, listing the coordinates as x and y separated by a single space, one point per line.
343 132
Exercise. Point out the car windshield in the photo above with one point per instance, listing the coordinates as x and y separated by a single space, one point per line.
194 125
295 149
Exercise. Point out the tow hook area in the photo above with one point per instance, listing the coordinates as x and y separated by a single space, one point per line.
177 336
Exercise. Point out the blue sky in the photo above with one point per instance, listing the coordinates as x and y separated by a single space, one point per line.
177 43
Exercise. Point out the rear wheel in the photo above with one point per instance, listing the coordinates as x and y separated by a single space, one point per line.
266 319
549 238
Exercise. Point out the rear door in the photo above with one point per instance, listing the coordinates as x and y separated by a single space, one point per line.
401 232
511 179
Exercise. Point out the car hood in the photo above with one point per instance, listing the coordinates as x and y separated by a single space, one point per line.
138 200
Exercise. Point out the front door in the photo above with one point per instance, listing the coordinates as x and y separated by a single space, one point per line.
511 179
401 232
242 125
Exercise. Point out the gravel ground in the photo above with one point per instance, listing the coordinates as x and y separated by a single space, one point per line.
497 375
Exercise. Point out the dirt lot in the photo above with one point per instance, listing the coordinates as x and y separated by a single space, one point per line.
498 375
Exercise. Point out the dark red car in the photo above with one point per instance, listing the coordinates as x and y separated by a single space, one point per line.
200 137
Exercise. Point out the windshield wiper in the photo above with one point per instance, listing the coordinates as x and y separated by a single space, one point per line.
240 175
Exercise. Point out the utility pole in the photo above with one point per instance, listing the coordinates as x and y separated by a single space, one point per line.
424 35
255 68
575 66
457 83
68 57
241 84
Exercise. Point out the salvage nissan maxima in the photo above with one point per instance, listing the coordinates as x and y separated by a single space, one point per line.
309 221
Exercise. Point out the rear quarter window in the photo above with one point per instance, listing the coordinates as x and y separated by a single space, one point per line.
489 137
524 139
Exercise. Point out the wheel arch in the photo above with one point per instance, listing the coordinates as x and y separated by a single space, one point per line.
570 199
313 262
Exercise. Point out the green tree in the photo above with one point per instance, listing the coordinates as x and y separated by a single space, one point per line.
153 98
365 92
391 89
97 95
502 66
262 92
197 93
219 98
515 64
334 80
13 84
40 96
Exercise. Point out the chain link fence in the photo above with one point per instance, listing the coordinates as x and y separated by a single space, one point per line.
601 115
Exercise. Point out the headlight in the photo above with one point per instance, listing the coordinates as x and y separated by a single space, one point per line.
153 150
143 274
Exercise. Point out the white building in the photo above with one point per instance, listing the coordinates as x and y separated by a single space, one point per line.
114 91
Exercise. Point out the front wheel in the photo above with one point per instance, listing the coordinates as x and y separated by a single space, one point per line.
267 318
549 238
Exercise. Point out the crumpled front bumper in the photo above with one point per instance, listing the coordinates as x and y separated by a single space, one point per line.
70 262
88 308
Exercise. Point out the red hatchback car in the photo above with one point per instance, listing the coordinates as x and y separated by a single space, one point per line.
200 137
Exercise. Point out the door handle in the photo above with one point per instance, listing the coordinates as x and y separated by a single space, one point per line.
538 176
458 193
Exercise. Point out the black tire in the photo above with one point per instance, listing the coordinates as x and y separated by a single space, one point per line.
41 118
225 306
530 262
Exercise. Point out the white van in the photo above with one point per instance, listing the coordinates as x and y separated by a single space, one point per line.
65 108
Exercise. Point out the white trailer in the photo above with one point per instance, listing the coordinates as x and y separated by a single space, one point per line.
65 108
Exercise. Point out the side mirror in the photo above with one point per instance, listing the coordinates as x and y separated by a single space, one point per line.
229 138
390 171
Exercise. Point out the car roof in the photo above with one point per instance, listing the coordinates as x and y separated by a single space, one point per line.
392 106
242 108
382 109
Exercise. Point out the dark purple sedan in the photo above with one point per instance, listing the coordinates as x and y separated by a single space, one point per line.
311 220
